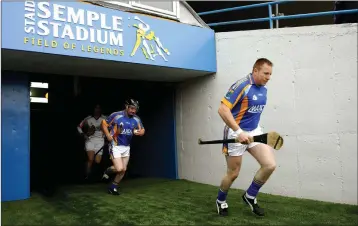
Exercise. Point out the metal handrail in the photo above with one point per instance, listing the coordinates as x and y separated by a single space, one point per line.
243 7
271 16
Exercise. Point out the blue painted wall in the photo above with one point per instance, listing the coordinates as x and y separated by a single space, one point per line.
15 146
189 47
154 155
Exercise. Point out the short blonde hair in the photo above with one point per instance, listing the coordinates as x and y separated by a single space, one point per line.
261 61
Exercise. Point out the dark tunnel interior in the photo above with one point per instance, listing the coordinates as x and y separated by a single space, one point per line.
57 155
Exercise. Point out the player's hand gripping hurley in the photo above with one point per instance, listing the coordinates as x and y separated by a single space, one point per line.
273 139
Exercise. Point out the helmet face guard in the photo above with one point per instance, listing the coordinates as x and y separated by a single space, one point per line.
132 102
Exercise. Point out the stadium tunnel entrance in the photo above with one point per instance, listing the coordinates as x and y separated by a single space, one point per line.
75 86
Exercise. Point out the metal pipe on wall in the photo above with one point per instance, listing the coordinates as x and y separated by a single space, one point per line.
277 14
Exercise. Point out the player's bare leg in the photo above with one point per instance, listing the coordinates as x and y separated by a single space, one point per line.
95 163
110 170
233 169
118 166
90 158
98 158
266 158
120 176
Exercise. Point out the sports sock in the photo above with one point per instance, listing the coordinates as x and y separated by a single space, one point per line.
221 196
254 188
113 185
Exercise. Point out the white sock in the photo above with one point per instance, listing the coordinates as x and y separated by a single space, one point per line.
249 196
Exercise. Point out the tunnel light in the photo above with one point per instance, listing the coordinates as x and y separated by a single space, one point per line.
38 100
43 85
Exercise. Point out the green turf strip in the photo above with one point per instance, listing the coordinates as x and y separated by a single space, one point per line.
163 202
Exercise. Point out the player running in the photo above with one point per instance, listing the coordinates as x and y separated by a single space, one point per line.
95 140
241 109
123 125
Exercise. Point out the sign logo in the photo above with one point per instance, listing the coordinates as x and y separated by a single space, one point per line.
146 40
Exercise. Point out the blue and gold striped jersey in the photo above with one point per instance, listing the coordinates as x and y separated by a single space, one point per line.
246 100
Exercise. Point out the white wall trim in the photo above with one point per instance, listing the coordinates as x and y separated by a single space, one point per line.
144 8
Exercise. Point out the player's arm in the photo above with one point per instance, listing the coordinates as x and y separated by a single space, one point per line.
80 126
232 97
140 130
105 124
115 131
226 116
140 127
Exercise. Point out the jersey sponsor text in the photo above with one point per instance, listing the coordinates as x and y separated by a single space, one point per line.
256 109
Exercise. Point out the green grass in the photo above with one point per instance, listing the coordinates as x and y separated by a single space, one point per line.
163 202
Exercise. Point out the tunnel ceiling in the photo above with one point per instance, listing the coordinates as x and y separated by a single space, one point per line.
66 65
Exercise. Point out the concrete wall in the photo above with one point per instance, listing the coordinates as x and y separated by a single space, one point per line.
312 100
